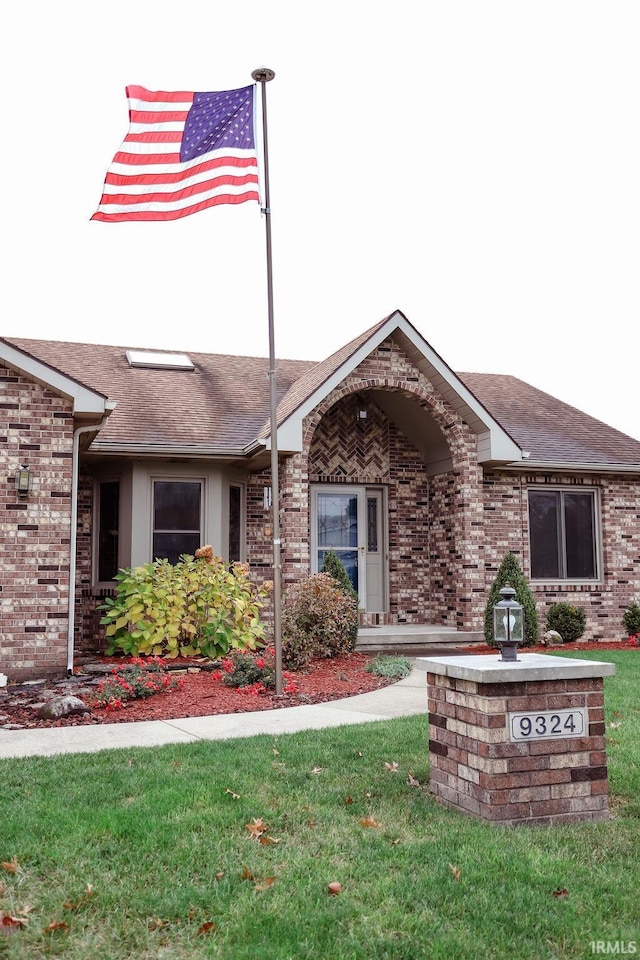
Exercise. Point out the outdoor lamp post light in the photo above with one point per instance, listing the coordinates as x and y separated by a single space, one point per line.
508 624
23 481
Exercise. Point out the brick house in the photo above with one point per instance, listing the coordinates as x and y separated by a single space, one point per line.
420 478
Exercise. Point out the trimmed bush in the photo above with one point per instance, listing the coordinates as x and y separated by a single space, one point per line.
317 621
631 620
510 573
199 606
567 620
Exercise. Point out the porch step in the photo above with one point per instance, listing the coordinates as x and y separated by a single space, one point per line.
414 640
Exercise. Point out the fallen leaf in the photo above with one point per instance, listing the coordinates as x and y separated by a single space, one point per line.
11 866
276 752
219 874
207 927
157 924
348 800
614 726
396 841
358 753
393 767
456 871
256 828
56 925
268 841
369 822
317 770
266 883
9 924
561 892
334 888
236 796
247 875
411 780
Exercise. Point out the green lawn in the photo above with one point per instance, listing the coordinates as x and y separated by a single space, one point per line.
145 853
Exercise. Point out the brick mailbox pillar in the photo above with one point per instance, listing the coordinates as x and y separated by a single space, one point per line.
518 743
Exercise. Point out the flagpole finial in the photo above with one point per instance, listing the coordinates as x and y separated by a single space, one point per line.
263 74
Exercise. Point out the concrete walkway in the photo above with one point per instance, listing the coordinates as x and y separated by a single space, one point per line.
401 699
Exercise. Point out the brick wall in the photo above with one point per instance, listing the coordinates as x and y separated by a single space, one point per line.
36 428
506 529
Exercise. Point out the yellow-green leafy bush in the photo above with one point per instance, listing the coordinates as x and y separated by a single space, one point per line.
199 606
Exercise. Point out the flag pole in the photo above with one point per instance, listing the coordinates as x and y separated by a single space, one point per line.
262 75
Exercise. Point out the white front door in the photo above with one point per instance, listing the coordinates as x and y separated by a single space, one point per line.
350 521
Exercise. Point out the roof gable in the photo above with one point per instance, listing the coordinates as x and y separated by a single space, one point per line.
86 401
494 443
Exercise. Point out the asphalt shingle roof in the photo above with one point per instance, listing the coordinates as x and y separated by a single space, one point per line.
549 429
224 403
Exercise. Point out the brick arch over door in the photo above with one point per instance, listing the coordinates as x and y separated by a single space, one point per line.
432 578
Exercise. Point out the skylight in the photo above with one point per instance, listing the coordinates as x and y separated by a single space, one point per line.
159 361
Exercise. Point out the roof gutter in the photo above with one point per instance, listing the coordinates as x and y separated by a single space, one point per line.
143 449
74 530
565 466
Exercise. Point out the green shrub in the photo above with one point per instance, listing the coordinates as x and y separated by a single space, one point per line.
567 620
387 665
317 621
200 605
510 573
334 566
631 620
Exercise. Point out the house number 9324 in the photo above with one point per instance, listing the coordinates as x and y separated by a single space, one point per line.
548 724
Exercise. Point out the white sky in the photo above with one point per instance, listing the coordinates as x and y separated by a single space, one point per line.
474 163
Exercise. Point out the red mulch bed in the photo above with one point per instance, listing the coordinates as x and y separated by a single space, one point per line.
202 694
603 646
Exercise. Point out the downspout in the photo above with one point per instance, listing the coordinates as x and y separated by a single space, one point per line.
74 534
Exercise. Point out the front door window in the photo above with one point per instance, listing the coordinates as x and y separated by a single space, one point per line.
337 530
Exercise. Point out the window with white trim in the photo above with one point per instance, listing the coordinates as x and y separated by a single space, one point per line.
563 534
177 512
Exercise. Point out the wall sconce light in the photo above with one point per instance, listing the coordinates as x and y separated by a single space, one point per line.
362 414
266 498
508 624
23 481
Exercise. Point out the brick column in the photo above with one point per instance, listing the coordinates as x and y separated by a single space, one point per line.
517 743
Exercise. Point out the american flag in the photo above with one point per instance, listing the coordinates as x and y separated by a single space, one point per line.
184 152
